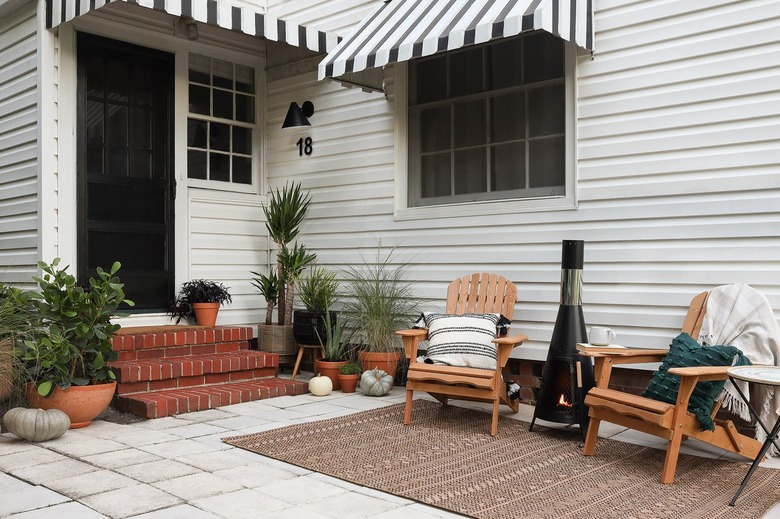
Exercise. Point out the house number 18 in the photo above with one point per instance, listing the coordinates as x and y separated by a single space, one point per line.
304 146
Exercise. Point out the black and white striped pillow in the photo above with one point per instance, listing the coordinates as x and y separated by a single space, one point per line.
462 340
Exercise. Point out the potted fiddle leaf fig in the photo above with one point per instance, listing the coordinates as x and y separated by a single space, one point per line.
67 358
317 292
201 299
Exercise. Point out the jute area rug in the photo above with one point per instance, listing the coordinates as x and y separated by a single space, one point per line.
447 458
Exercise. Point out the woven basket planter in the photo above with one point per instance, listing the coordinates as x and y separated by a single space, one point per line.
279 339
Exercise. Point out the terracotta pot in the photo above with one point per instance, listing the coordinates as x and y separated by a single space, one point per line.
348 382
330 370
81 403
206 313
386 361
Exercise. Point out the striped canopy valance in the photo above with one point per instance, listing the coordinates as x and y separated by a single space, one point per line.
399 30
212 12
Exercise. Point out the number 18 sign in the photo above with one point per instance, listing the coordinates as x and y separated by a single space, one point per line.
304 146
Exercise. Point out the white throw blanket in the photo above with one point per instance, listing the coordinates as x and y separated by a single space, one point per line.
740 316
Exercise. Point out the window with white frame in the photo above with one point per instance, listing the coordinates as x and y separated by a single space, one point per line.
488 122
221 121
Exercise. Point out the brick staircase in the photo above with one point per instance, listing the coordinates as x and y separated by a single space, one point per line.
168 370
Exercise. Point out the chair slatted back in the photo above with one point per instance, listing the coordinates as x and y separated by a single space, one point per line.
695 315
482 294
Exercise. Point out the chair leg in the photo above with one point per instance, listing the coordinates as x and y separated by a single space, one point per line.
591 437
494 424
298 361
408 408
672 453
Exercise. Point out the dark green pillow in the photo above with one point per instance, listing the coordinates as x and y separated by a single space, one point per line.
685 352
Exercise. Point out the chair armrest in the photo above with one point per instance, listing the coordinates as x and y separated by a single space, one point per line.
412 340
505 346
602 363
703 373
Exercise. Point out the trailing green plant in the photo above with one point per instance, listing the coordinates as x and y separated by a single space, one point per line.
268 286
379 300
197 291
336 342
351 368
318 290
71 343
283 216
294 261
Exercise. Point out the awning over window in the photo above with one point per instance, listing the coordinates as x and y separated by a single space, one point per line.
212 12
399 30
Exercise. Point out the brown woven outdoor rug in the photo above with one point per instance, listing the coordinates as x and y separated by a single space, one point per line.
447 458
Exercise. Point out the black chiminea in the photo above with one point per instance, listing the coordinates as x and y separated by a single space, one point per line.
567 376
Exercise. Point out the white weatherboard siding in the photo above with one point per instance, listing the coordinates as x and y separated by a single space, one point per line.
678 131
18 144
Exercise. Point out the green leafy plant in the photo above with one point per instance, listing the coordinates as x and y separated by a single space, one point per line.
283 214
318 290
336 341
268 286
71 343
197 291
294 261
351 368
379 300
18 322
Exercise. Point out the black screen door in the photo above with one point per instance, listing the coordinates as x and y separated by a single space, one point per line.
125 179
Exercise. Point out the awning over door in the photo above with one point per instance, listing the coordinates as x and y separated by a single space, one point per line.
399 30
212 12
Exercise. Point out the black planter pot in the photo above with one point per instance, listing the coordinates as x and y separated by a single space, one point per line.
307 324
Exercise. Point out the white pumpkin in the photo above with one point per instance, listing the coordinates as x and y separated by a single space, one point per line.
320 385
375 382
36 425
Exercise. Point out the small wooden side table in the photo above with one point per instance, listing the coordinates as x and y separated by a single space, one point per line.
767 375
301 349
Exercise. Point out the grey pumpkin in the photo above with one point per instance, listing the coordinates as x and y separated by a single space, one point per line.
36 425
375 382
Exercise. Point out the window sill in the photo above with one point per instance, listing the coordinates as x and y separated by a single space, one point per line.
485 208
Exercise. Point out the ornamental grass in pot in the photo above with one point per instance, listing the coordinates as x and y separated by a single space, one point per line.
66 360
336 345
380 301
317 292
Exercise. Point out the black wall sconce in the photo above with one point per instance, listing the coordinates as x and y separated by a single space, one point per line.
298 115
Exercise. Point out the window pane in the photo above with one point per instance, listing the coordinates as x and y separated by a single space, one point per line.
141 164
507 167
245 79
119 77
435 129
223 104
506 64
200 69
245 108
117 125
547 164
466 72
508 117
219 167
470 127
142 85
435 175
242 170
197 132
196 164
431 79
242 140
543 57
220 137
547 107
95 77
94 160
142 128
199 100
222 73
95 126
117 162
470 171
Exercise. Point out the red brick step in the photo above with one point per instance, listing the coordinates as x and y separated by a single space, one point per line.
157 404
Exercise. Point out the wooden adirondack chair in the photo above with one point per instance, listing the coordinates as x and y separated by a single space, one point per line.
670 421
477 293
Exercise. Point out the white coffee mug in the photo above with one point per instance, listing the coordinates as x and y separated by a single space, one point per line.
601 336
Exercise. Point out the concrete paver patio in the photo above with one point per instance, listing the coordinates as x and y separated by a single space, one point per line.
178 467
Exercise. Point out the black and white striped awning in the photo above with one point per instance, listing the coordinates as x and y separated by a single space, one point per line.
212 12
399 30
